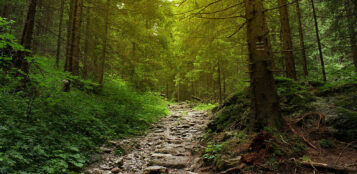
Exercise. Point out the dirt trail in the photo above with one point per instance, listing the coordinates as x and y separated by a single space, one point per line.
168 148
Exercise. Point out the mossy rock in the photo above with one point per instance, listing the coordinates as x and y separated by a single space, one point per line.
348 101
234 112
348 86
316 83
293 96
231 114
345 125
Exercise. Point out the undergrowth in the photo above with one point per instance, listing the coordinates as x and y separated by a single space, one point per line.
45 130
204 107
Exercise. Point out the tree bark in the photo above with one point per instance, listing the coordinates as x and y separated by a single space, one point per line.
4 9
287 40
59 37
69 36
318 41
265 108
86 44
26 40
351 28
219 80
76 37
29 23
301 37
73 52
104 43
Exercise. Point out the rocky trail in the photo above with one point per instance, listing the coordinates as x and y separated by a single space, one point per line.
169 147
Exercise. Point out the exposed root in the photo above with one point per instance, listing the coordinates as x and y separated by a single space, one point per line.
318 114
323 166
343 150
302 137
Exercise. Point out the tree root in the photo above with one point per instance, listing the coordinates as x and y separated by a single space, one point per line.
320 115
302 137
323 166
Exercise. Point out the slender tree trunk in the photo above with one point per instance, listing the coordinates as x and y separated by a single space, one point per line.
76 37
355 5
351 27
301 37
318 41
265 108
287 40
178 91
219 80
38 25
224 83
73 52
59 37
105 43
68 61
4 9
86 44
167 90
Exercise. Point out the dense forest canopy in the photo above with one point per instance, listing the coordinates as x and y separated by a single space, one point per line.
190 48
100 69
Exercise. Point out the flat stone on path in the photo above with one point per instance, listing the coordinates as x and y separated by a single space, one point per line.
174 162
166 149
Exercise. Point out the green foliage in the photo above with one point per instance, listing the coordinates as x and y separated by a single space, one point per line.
204 107
345 124
305 158
212 151
233 113
326 143
339 86
45 130
293 96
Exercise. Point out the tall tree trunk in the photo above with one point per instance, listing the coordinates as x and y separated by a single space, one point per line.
6 9
86 44
38 29
287 40
351 27
318 41
301 37
104 43
26 40
59 37
73 52
29 23
76 37
265 108
355 5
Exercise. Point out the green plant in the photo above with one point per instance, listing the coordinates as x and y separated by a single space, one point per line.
326 143
212 151
45 130
204 107
305 158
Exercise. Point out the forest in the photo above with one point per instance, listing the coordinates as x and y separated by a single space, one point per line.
178 86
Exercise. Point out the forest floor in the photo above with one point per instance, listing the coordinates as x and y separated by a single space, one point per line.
171 146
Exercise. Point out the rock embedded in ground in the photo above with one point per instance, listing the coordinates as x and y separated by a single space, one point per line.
175 162
167 148
156 170
116 170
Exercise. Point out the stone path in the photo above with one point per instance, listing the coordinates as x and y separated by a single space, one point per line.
169 147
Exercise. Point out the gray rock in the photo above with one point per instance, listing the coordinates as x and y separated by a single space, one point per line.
156 170
175 162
